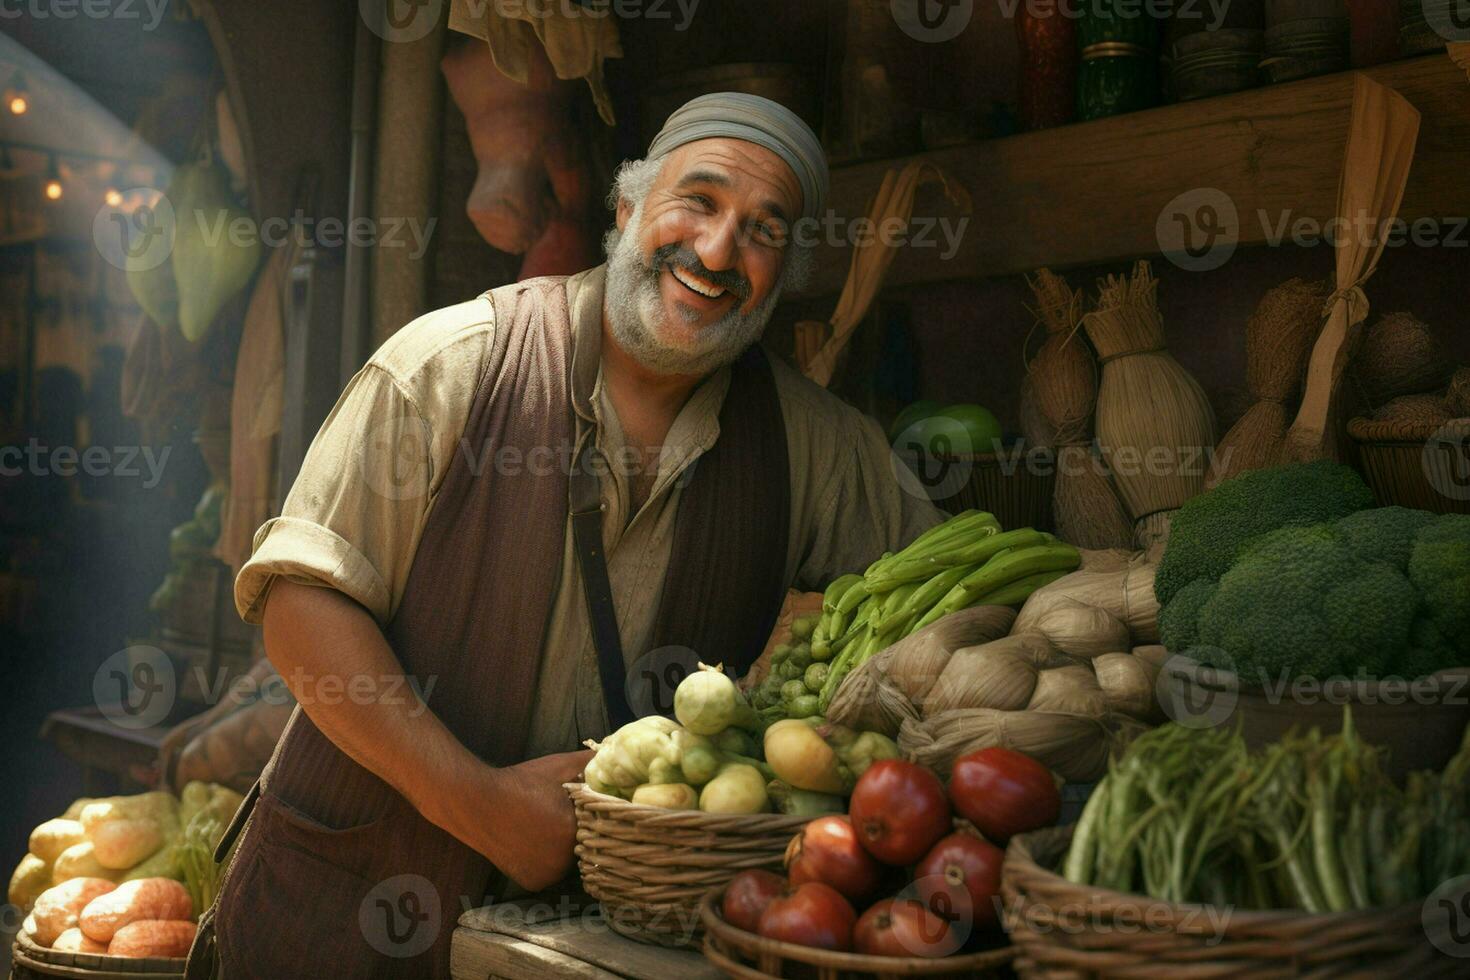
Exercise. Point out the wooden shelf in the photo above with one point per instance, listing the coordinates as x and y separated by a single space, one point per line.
1092 192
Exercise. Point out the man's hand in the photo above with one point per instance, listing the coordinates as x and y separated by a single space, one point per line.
530 795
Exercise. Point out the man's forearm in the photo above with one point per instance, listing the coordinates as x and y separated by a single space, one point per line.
315 635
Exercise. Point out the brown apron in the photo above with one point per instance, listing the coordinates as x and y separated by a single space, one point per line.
336 873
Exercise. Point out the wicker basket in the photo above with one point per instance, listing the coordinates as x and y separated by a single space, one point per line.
32 962
746 956
1416 465
1015 486
649 867
1062 929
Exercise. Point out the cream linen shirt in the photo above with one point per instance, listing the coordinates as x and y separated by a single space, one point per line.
353 519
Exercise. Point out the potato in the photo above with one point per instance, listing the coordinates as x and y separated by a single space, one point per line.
76 941
133 901
58 907
54 836
32 877
121 844
79 861
153 937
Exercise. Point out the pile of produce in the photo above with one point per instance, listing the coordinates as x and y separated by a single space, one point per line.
124 874
1074 675
797 673
966 561
1310 822
926 886
721 757
1291 572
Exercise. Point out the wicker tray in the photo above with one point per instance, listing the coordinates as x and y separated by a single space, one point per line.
1062 929
1414 465
650 867
30 961
746 956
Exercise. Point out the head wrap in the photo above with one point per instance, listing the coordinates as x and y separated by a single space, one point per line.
758 120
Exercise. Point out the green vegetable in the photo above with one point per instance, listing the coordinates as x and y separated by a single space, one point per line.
815 677
801 802
802 627
707 702
736 741
792 690
1309 822
1332 599
699 765
806 706
737 789
1210 531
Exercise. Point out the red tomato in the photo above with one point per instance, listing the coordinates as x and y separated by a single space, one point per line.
812 914
1004 793
747 897
899 811
959 880
827 850
904 927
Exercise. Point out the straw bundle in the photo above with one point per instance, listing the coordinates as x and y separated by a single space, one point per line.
1128 682
1457 397
1080 629
1062 380
1074 747
1399 356
1035 429
1278 341
1125 593
895 683
1153 419
1073 690
999 674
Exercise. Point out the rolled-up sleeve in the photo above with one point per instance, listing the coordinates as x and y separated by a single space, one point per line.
353 519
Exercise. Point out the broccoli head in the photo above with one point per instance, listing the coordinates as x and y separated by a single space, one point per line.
1179 620
1300 602
1209 532
1439 567
1383 533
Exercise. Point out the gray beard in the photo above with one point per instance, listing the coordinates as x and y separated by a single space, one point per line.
635 315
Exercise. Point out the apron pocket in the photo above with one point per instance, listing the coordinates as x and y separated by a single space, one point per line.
304 902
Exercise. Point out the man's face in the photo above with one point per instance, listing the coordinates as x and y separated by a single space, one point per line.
697 268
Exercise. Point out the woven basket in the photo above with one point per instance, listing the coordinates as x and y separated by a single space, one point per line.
1062 929
746 956
32 962
649 867
1015 486
1416 465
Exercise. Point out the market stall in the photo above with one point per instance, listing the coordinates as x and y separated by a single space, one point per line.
1162 354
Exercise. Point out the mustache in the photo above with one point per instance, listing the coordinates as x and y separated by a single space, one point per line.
686 258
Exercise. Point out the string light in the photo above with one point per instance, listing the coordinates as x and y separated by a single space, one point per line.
17 97
53 182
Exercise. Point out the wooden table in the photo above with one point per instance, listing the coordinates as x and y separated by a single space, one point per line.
532 941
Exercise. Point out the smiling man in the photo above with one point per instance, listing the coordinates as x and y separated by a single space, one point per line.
514 505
